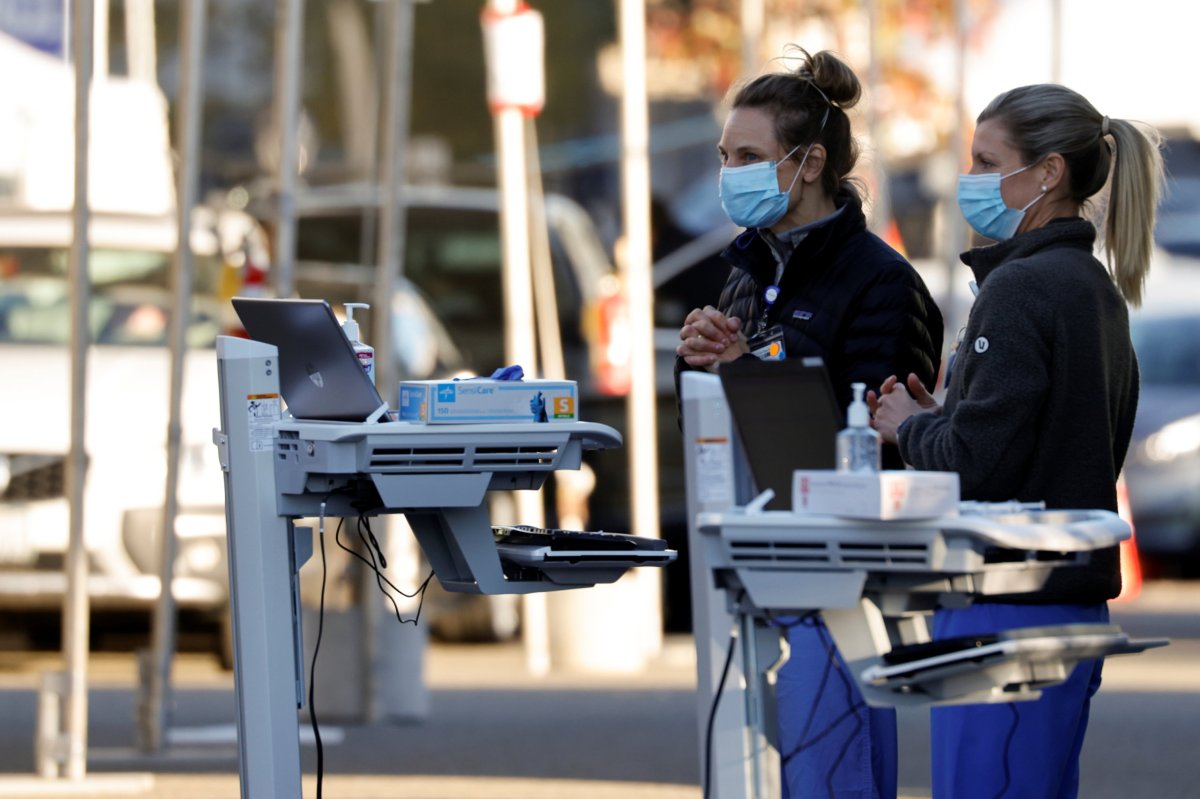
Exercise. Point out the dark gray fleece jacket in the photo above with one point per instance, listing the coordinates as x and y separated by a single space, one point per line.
1042 392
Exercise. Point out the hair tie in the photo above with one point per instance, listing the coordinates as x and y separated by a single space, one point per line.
1104 126
824 96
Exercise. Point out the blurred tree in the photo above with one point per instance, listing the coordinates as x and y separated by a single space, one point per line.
449 92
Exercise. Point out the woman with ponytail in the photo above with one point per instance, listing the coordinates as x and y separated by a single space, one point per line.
1040 400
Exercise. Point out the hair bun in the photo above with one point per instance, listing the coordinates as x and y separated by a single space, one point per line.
832 76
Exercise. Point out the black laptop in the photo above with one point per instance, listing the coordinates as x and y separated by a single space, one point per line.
786 418
319 374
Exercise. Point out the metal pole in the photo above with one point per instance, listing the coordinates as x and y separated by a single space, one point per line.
412 699
542 265
397 114
289 37
154 720
76 608
519 343
642 441
954 230
882 210
1056 41
139 37
752 33
100 38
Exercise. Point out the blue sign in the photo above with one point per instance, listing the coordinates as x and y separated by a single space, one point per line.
38 23
445 392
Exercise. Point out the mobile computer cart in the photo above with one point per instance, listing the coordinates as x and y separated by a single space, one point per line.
875 584
278 470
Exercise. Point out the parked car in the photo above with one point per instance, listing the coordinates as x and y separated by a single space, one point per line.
448 320
1178 227
1162 470
452 268
126 422
132 233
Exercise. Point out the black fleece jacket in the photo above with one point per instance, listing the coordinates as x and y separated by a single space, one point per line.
845 296
1042 393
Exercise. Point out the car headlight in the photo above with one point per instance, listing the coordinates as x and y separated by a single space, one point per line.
201 556
1175 440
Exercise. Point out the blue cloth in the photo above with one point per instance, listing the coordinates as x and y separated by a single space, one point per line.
1028 750
831 742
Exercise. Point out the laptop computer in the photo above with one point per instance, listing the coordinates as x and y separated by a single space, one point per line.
786 418
319 374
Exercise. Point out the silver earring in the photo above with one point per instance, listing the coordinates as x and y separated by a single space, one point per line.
1044 189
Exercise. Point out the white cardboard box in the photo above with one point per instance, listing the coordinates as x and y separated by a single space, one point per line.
902 494
483 400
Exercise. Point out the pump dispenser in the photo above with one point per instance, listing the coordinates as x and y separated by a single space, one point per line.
858 444
365 352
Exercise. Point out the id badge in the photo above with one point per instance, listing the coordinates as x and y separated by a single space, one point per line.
768 345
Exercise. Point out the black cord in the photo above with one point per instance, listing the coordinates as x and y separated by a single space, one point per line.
365 525
373 549
712 712
369 543
362 521
381 579
312 669
1012 733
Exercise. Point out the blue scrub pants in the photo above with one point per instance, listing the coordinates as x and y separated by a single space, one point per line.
1018 750
832 744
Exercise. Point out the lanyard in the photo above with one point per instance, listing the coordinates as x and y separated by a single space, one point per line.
770 295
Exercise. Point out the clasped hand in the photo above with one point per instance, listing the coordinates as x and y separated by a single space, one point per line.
709 337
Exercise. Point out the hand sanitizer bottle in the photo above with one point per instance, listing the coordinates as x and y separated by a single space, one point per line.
365 352
858 443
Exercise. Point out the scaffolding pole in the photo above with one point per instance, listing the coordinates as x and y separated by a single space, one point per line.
641 407
76 607
155 695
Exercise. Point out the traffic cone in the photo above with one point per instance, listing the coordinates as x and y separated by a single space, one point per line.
1131 564
891 234
246 280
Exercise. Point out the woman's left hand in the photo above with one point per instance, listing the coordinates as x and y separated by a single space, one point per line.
895 404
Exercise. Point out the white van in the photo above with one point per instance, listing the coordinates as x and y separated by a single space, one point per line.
133 242
126 424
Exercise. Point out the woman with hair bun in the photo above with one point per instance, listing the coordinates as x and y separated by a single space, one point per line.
809 279
1040 400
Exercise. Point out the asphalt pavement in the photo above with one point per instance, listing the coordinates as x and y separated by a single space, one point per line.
495 732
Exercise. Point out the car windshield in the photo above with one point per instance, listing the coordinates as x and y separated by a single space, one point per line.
130 298
453 261
1168 349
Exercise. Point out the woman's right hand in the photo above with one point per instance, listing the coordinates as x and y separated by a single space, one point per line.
709 337
894 404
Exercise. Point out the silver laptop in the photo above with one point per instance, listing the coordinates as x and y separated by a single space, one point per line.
319 374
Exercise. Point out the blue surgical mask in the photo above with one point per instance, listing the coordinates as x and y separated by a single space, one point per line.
982 205
751 195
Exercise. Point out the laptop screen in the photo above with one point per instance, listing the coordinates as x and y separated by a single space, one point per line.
319 375
786 417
